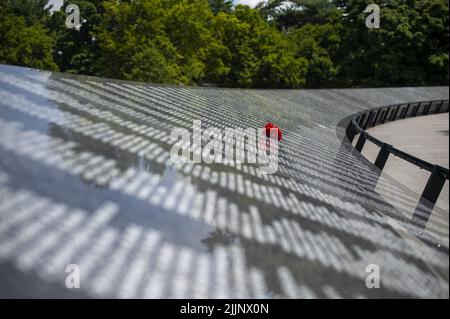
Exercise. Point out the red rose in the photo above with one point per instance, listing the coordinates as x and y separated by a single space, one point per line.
270 126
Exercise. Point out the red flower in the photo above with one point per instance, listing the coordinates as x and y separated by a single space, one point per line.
270 126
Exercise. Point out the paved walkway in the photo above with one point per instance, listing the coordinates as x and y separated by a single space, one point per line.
426 137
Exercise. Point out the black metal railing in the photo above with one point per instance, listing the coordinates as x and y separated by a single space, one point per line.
363 120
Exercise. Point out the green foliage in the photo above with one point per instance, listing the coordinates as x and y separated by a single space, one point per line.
307 43
24 45
410 48
33 11
136 37
255 54
319 44
297 13
76 50
221 5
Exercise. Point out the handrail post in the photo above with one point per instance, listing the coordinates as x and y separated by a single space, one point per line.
402 114
369 118
376 117
438 108
383 156
427 108
361 141
415 110
386 112
351 132
361 119
434 186
406 110
429 197
396 111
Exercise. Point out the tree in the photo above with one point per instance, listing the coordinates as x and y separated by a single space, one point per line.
76 50
221 5
319 45
410 48
33 11
256 54
297 13
172 35
24 45
299 43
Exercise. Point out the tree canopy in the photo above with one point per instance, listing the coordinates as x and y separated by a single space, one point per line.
24 40
278 44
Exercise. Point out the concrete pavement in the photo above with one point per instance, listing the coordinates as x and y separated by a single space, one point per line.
426 137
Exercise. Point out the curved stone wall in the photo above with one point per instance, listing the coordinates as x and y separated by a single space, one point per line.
86 180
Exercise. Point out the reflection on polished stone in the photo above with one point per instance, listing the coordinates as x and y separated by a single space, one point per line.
86 179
